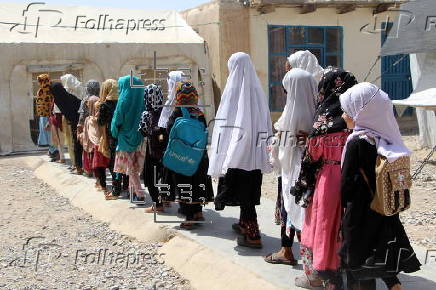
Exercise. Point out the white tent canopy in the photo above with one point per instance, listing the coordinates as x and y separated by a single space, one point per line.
98 43
423 70
425 99
41 23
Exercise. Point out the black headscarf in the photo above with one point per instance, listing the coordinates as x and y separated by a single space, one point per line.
66 102
153 100
328 119
328 116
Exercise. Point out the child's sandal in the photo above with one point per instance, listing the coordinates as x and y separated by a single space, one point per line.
110 196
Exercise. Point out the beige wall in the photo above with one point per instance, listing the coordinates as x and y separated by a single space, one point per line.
204 19
224 25
235 26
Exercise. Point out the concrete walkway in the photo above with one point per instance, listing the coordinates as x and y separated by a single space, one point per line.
208 256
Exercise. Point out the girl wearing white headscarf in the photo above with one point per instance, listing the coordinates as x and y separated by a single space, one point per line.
305 60
239 146
72 85
297 116
370 109
174 77
368 235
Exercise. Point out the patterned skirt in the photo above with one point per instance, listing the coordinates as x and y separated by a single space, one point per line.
130 162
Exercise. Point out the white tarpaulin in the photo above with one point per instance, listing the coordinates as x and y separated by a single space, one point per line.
423 71
41 23
425 99
414 32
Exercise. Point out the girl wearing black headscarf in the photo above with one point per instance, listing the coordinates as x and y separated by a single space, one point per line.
69 104
321 176
152 173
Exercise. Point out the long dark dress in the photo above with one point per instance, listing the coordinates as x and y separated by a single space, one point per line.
367 233
239 187
200 182
105 115
69 104
148 127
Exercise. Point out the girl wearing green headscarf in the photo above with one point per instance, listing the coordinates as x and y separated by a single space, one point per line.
130 151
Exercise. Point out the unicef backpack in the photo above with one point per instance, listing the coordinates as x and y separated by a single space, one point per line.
186 145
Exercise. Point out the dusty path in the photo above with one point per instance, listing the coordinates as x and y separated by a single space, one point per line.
46 243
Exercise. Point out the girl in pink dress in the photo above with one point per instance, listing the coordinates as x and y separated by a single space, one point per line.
318 188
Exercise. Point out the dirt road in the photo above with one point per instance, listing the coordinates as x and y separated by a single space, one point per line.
46 243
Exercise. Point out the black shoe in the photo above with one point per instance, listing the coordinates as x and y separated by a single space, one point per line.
238 229
245 242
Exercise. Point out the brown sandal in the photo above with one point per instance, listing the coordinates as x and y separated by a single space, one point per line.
187 226
110 196
151 209
274 259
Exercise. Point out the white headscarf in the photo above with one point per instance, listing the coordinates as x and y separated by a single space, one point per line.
72 85
242 122
173 78
305 60
297 115
372 111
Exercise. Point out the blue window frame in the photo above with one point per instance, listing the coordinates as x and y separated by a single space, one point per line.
325 42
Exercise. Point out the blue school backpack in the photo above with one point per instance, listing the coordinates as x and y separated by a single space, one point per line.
186 145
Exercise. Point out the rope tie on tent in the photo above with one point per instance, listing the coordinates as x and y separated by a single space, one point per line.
423 163
372 68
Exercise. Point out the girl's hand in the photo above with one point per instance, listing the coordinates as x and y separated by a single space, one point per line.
302 138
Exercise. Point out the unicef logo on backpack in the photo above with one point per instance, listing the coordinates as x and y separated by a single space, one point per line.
185 158
186 145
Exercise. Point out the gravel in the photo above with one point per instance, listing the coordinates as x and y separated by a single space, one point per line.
46 243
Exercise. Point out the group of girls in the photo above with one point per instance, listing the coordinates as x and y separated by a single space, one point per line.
80 118
331 128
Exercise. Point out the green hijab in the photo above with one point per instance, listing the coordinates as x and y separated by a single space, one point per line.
127 114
